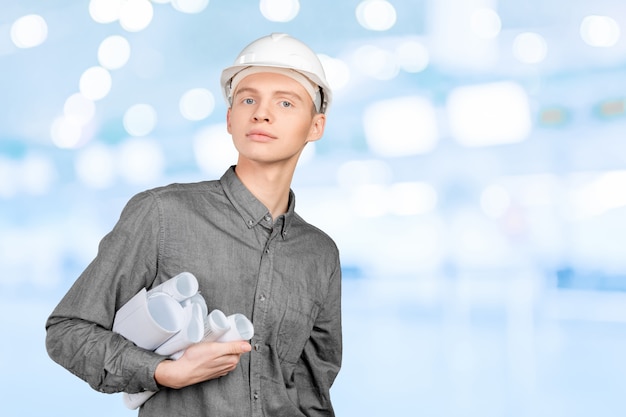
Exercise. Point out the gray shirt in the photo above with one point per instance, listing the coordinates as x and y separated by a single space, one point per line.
284 275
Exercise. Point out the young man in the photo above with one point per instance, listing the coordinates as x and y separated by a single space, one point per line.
250 251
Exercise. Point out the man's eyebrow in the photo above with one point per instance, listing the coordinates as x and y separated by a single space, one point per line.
251 90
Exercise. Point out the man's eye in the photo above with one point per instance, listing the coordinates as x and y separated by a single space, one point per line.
248 101
285 103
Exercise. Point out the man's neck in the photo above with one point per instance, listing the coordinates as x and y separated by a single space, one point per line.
269 184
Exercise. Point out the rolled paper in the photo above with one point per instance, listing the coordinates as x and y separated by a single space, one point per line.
179 287
134 401
215 326
149 321
197 298
192 332
240 329
171 317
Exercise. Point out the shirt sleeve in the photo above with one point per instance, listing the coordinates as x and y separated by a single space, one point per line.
79 335
320 361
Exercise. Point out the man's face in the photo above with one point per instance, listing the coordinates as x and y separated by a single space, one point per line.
272 118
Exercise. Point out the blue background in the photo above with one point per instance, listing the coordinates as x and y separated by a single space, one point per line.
479 279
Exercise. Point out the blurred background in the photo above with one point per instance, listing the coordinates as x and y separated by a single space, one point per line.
473 174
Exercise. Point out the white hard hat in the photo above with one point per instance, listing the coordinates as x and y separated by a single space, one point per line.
279 50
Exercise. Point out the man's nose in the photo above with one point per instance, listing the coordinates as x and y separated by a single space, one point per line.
261 113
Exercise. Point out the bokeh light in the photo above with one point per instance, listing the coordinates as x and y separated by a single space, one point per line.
114 52
95 83
376 62
377 15
279 10
105 11
136 15
401 126
140 120
197 104
489 114
79 108
530 48
66 132
29 31
190 6
485 23
600 31
412 56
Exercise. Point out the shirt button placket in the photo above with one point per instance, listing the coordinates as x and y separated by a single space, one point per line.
260 311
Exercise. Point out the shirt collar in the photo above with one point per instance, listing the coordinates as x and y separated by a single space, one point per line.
251 210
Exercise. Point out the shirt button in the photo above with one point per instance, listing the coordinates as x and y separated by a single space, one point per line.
250 222
268 218
256 395
257 347
262 297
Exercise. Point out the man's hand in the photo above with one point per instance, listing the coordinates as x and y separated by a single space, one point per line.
200 362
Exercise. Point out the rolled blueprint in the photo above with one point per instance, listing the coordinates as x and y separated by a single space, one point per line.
240 329
171 317
191 332
149 321
197 298
217 328
179 287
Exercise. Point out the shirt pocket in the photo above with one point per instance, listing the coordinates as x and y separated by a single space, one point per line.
295 327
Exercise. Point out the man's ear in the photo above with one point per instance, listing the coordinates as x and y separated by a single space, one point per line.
228 127
317 127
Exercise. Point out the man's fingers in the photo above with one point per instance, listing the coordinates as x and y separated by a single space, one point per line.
202 350
237 348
